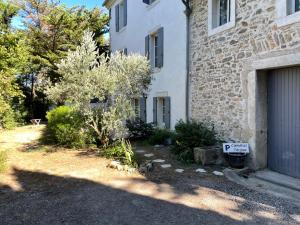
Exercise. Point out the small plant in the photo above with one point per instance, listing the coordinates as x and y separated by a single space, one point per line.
3 161
138 129
192 134
66 127
121 151
160 136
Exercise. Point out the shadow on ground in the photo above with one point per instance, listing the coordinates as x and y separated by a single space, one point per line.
48 199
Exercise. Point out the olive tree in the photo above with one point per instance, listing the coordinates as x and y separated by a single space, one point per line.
101 88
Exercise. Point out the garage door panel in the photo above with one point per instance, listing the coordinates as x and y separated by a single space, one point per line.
284 121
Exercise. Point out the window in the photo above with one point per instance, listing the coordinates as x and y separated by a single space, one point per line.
288 12
221 15
293 6
121 15
155 48
137 107
149 2
162 111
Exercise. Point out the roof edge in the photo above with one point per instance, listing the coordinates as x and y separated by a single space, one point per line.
108 3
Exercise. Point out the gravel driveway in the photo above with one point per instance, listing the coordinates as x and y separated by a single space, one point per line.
75 187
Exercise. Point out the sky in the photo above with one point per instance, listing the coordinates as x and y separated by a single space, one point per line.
69 3
87 3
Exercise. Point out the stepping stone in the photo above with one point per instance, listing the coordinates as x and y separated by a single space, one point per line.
140 151
179 170
201 170
158 160
149 155
166 166
217 173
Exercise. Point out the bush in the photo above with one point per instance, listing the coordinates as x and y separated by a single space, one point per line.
190 135
3 160
66 127
121 151
138 129
160 136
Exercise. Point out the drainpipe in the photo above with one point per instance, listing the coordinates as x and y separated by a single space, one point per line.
188 11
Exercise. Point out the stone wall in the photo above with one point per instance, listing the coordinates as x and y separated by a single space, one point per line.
220 64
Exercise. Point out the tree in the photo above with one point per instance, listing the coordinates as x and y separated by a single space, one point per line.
13 57
52 30
110 82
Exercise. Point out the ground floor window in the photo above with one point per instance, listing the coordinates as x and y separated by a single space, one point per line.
162 111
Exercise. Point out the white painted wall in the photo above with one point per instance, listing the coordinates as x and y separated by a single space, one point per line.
142 20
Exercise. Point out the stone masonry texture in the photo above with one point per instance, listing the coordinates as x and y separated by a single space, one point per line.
220 63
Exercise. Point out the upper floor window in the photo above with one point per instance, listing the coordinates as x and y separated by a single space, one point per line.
149 2
155 48
293 6
121 15
288 12
221 15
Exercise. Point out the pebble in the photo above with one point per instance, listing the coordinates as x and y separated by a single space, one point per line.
158 160
179 170
149 155
217 173
166 166
200 170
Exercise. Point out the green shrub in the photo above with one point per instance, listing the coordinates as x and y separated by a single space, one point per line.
160 136
192 134
66 127
138 129
3 160
121 151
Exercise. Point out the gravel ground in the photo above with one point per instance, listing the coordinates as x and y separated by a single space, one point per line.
76 187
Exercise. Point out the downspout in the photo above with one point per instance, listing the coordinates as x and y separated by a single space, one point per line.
188 11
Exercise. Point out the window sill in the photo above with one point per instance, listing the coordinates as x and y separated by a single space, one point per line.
152 5
287 20
122 29
155 70
220 29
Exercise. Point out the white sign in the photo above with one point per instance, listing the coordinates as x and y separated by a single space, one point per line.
236 148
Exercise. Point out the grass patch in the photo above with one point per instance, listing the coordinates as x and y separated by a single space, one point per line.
3 161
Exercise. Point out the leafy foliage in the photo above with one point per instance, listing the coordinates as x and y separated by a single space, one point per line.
192 134
138 129
121 151
51 30
65 127
160 136
13 57
112 82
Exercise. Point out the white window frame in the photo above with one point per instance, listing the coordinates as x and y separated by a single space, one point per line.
153 50
121 16
283 16
226 26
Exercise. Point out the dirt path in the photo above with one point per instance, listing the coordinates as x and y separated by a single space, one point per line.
75 187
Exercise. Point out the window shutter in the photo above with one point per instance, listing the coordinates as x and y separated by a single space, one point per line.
160 47
125 13
147 47
117 12
155 110
143 112
125 51
168 112
146 2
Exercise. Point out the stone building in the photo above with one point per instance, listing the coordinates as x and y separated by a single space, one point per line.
245 76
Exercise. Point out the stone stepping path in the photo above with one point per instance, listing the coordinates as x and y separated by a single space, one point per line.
201 170
217 173
165 166
158 160
179 170
140 151
149 155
